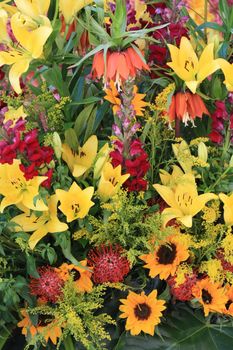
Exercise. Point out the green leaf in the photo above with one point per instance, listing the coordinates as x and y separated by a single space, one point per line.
211 25
31 266
53 76
71 139
185 329
86 101
81 120
90 125
4 335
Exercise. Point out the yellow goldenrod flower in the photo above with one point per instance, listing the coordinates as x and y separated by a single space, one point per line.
102 158
33 8
75 203
227 69
14 114
228 208
110 181
184 200
31 37
81 161
69 8
41 225
186 65
16 189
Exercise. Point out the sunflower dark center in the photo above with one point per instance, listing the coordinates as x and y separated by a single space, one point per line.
44 320
166 254
142 311
228 304
206 296
76 274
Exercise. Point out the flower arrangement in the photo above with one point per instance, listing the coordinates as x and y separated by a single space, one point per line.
116 168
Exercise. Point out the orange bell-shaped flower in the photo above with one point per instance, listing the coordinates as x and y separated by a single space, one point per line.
120 65
186 107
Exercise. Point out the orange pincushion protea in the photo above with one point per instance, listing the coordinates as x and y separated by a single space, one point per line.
142 311
210 295
120 65
166 258
186 107
81 276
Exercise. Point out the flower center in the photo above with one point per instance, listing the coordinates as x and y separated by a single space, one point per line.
206 297
189 65
18 184
44 320
82 154
142 311
113 180
228 304
166 254
76 274
75 208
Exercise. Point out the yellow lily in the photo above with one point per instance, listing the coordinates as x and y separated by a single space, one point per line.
32 37
46 223
102 158
14 114
110 181
183 155
16 189
184 200
186 65
69 8
81 161
228 208
4 37
170 180
75 203
33 8
227 69
8 8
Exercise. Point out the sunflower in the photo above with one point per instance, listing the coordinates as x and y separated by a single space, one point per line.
49 329
81 276
142 312
165 259
229 304
26 324
210 295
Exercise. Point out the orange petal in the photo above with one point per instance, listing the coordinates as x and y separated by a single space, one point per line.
181 104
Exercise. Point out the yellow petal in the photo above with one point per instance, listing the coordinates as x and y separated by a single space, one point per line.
17 69
167 194
33 8
37 236
207 64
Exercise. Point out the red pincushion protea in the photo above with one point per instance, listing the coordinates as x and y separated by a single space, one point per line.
48 286
108 264
182 292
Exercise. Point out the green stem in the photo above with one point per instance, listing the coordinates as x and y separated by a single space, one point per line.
55 12
227 143
206 16
218 180
68 343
